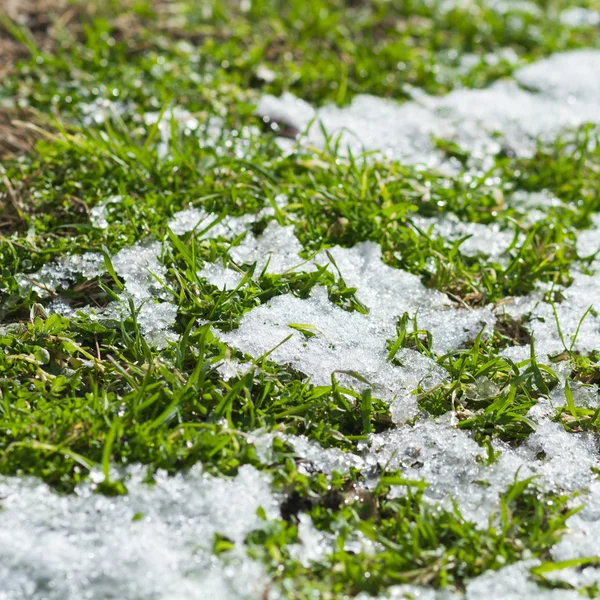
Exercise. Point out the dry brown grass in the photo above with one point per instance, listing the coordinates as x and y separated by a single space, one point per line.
42 18
16 136
45 23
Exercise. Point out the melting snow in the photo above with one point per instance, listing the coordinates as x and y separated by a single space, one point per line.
156 542
513 583
220 276
210 132
312 456
578 16
582 334
487 240
340 341
199 220
181 118
101 109
454 465
99 214
566 94
140 268
509 583
62 273
277 247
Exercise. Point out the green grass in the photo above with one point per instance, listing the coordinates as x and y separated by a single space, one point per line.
414 542
78 395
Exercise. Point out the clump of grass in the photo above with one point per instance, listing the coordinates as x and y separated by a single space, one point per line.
490 394
413 541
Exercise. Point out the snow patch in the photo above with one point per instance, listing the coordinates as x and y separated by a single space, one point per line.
482 122
156 542
341 342
486 240
140 268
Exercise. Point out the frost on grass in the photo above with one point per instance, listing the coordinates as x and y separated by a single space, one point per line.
210 130
140 267
387 292
588 241
190 219
313 544
565 93
581 542
156 542
534 205
101 109
143 274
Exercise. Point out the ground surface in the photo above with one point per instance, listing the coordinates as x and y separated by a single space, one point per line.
299 299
